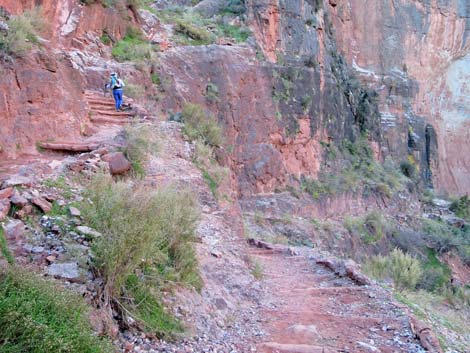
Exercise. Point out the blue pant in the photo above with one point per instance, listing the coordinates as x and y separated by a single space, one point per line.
117 94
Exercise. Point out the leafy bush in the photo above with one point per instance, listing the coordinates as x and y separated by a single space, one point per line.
38 316
436 275
238 33
199 125
146 233
23 32
404 270
370 228
141 140
133 47
356 171
212 172
461 207
191 30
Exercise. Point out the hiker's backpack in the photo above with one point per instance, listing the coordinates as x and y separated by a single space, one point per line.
117 83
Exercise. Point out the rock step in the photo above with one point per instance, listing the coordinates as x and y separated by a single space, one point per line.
109 120
274 347
101 103
113 113
69 146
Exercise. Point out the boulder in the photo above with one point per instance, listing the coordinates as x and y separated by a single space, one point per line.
18 200
42 203
118 163
6 193
14 229
17 180
66 270
87 231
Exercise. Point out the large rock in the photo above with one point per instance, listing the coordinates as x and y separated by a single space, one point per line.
66 270
118 163
14 229
6 193
17 180
43 204
88 232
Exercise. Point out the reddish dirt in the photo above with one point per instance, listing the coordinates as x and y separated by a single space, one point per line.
310 309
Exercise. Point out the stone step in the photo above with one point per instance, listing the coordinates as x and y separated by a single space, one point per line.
274 347
109 103
113 113
69 146
108 120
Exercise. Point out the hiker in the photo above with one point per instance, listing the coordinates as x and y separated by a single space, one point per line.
116 84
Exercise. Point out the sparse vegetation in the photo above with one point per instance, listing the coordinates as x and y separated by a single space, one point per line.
133 47
147 236
461 207
199 125
4 251
197 34
257 269
38 316
404 270
23 33
370 228
141 141
357 171
212 172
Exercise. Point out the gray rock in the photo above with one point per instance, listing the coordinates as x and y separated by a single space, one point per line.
441 203
67 270
14 229
88 231
74 212
17 180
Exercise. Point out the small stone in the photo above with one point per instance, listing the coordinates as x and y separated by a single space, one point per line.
216 254
43 204
128 347
37 249
25 211
66 270
4 208
74 212
51 258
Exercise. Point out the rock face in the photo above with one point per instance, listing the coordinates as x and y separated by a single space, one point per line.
415 54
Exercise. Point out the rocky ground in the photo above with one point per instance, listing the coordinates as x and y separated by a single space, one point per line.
256 298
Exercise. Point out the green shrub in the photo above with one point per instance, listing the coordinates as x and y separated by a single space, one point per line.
199 125
141 141
146 233
23 32
4 251
461 207
133 47
238 33
37 316
356 171
212 172
191 30
404 270
370 228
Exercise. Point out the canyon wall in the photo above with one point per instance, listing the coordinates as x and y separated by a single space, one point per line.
316 73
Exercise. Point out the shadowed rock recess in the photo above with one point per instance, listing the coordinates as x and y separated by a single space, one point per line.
283 176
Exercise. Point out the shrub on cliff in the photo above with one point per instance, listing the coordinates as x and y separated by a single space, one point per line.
38 316
133 47
141 141
199 125
22 32
146 244
370 228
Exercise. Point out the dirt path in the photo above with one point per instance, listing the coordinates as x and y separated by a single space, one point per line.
310 309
